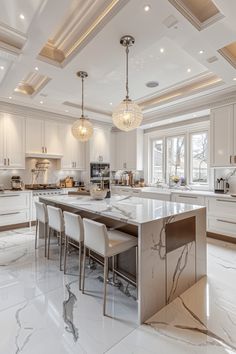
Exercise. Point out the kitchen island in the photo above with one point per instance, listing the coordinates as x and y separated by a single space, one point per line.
171 242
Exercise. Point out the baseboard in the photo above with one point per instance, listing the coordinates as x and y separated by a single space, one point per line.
15 226
221 237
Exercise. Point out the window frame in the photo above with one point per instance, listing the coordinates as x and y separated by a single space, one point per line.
166 154
191 183
163 158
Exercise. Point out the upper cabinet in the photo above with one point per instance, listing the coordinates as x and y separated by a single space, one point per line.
12 142
43 137
73 150
223 136
99 145
128 150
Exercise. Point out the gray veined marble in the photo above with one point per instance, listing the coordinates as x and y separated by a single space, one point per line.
23 334
68 312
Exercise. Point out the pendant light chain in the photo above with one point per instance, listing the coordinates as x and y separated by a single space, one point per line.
127 71
82 116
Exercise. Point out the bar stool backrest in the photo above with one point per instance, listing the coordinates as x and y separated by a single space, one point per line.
55 219
41 212
95 236
74 227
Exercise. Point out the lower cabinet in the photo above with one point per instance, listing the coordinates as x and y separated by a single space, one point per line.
188 199
15 208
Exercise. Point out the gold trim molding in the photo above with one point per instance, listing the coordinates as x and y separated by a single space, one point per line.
11 40
200 13
32 84
77 29
205 82
229 53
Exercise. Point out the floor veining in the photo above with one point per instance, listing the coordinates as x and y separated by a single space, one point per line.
43 311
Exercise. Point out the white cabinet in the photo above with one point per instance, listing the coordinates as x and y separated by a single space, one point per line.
222 216
42 137
188 199
73 150
12 144
223 136
156 196
14 208
99 145
129 150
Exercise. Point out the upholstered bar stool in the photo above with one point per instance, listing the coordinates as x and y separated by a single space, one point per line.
56 223
41 217
74 231
107 244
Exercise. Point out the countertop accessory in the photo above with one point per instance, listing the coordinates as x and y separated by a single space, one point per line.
82 129
16 183
98 193
127 115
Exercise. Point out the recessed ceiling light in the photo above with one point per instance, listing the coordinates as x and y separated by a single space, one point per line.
194 115
36 68
2 67
201 51
162 50
189 70
234 78
152 84
41 102
66 110
111 103
147 8
22 17
10 97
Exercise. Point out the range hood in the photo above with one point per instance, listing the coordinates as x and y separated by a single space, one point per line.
43 156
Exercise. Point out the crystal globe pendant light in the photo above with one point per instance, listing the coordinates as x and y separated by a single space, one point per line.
82 129
127 115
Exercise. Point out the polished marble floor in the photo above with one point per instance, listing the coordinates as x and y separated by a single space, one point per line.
42 311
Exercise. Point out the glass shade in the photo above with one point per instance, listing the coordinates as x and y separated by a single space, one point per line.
82 129
127 115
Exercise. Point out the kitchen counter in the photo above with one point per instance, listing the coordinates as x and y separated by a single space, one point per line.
171 242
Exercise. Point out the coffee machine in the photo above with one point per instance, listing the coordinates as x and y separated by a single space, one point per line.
16 183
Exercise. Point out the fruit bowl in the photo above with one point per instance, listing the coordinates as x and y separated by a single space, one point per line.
97 193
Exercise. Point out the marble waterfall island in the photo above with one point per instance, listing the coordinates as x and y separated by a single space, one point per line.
171 243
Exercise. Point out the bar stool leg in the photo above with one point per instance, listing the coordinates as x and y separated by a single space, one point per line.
113 269
36 235
80 254
65 254
84 259
136 249
49 238
60 237
105 284
45 238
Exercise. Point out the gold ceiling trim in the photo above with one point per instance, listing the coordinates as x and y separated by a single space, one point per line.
66 43
11 40
229 53
32 84
200 13
207 81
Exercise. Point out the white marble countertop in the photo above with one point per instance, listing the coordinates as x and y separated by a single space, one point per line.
133 210
157 190
10 191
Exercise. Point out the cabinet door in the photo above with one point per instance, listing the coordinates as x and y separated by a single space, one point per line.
51 138
222 135
15 141
34 136
100 145
73 150
2 145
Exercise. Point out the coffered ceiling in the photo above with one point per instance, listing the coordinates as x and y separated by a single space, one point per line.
186 46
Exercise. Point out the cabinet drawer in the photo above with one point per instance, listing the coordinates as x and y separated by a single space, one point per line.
222 206
13 202
14 217
221 225
189 199
156 196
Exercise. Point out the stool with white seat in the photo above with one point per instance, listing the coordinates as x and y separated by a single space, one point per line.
105 243
41 217
74 230
56 223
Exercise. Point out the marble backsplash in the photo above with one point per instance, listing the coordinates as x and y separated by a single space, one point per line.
53 173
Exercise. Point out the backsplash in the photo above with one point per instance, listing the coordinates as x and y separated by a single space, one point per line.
51 175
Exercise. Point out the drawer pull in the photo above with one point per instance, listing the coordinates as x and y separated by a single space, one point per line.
9 195
187 196
14 213
227 222
225 201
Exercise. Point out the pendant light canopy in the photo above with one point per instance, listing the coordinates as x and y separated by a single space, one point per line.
127 115
82 129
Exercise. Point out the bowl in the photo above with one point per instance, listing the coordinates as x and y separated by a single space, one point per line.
98 194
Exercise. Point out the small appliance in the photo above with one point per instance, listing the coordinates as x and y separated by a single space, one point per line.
16 183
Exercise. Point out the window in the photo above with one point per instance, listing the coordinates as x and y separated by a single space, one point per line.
175 156
157 160
199 149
